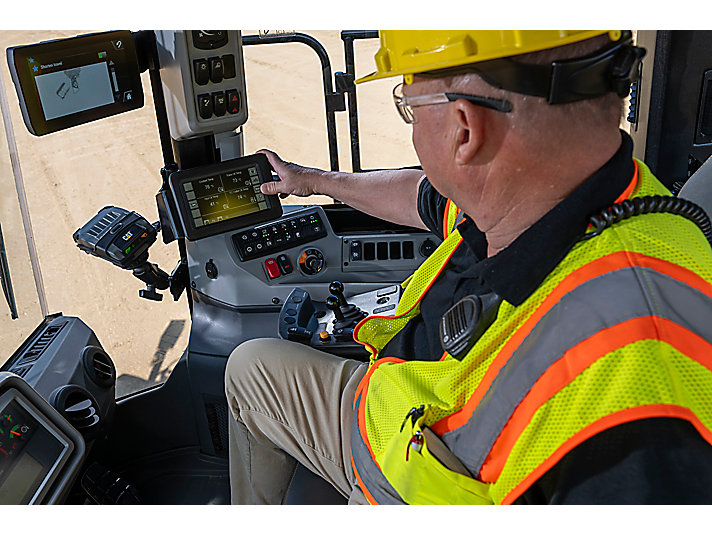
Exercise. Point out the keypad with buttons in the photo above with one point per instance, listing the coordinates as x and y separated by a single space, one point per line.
215 70
281 235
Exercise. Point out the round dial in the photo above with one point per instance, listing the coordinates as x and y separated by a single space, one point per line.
12 434
311 261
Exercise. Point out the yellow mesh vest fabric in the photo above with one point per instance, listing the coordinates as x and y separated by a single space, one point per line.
445 386
375 332
644 373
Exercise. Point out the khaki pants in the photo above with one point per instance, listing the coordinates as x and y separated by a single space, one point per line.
289 402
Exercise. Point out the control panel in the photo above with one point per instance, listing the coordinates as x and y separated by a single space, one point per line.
330 325
256 267
281 235
203 77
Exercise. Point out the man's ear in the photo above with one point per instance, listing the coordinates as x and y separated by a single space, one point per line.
469 131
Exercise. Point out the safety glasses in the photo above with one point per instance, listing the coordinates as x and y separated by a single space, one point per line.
405 104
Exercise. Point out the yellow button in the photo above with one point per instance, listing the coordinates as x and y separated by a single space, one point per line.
324 336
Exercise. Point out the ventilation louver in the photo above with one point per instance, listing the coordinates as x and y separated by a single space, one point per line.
24 363
99 366
79 408
39 346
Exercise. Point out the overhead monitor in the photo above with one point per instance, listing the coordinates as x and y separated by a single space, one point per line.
67 82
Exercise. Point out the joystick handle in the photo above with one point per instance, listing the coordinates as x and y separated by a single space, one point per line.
336 288
332 302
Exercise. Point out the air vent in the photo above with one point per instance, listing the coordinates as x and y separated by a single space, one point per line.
99 367
79 408
21 371
39 346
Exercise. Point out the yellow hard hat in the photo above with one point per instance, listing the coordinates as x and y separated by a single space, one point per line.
409 52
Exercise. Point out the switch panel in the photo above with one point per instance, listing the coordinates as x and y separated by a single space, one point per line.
203 78
278 236
378 252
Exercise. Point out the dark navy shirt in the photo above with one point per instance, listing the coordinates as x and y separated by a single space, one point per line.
661 460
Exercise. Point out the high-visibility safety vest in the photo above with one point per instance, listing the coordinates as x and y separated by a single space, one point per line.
620 330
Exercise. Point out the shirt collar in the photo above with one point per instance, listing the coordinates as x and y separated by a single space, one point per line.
516 271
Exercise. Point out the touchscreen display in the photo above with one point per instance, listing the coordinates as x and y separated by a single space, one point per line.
224 196
65 88
68 82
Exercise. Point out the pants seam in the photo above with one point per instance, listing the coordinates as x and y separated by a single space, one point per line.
321 454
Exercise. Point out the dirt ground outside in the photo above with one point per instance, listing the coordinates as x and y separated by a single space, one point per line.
70 175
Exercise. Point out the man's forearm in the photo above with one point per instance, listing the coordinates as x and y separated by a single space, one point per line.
390 194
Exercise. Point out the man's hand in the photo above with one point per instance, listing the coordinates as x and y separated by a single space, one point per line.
391 195
294 179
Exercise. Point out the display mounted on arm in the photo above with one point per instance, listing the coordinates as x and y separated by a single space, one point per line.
68 82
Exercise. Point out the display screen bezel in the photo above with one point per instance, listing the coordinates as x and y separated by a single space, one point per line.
177 179
38 492
28 94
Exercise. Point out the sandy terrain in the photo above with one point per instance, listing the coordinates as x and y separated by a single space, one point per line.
72 174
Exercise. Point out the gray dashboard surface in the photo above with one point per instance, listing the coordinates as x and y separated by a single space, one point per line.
245 284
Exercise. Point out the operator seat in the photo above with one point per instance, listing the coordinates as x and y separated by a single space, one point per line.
698 187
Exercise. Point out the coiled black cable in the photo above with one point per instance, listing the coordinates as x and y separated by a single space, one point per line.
650 204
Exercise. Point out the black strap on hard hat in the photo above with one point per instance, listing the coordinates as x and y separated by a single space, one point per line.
609 70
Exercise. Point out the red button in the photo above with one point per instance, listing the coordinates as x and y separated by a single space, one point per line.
233 101
272 268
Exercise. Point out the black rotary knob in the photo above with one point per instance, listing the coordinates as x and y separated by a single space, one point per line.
311 261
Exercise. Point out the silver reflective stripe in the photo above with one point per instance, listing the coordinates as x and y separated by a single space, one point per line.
458 219
376 483
597 304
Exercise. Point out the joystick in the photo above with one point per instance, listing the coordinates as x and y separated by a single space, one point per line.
345 315
332 303
329 324
336 288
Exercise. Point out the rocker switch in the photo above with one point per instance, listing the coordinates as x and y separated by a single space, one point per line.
272 268
201 71
219 104
205 106
284 264
216 69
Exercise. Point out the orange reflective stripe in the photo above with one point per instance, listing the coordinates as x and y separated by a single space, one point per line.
631 186
576 360
614 419
603 265
364 381
363 385
446 219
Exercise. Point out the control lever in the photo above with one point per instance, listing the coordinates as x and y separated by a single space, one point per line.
346 315
332 303
329 324
336 288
